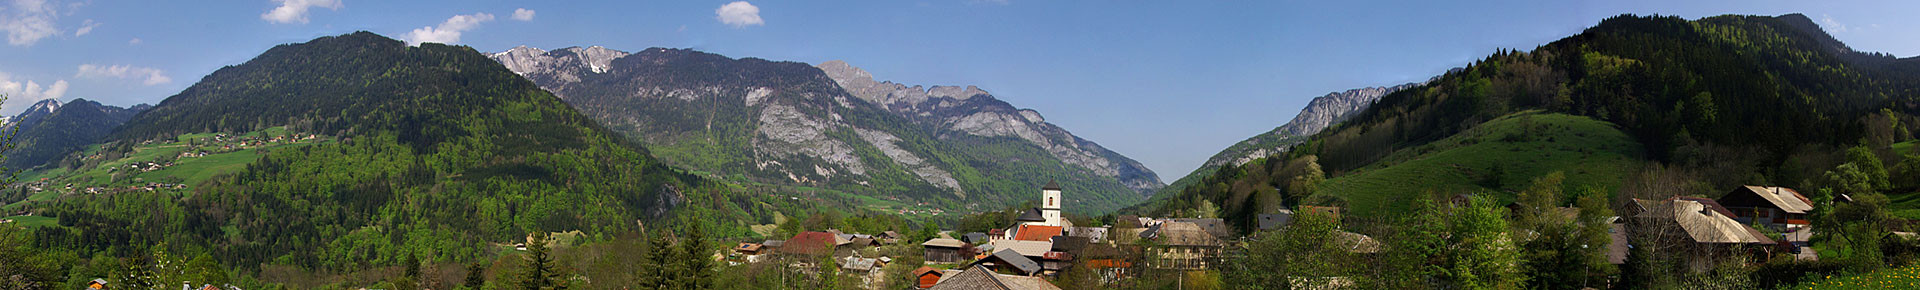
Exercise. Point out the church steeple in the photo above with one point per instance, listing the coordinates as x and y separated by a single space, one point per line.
1051 202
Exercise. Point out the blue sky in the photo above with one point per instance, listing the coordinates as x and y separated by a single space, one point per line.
1166 82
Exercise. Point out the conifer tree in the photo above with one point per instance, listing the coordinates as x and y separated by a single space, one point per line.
655 264
476 276
541 273
696 263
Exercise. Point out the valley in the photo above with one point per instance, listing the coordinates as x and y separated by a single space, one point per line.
1641 152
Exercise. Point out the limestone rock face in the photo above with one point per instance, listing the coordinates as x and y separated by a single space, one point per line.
974 111
1320 113
829 126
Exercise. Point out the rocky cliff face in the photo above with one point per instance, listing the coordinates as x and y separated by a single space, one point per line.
1320 113
971 110
793 123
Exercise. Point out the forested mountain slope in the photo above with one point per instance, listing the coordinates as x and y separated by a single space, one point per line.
1321 112
50 132
791 124
1722 101
433 151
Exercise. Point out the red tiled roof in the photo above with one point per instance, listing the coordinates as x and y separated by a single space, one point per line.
1038 233
809 243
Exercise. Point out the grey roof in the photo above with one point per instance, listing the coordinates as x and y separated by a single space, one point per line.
1014 259
977 277
974 237
1275 220
1704 221
949 243
1785 198
1051 185
859 264
1032 215
774 243
1217 227
1026 248
1183 234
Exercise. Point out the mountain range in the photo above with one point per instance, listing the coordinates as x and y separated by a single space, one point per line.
831 126
50 131
1321 112
1715 103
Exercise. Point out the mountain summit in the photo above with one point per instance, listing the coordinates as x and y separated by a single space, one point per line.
789 123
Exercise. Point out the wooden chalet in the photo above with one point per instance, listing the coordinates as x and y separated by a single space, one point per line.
945 250
1778 207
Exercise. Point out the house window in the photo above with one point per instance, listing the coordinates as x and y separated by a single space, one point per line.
1049 201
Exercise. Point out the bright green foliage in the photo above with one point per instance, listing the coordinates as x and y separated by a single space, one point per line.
1415 249
1303 249
1897 278
1562 252
1505 152
1481 255
829 272
205 270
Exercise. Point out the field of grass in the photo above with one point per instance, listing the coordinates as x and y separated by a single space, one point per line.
185 170
1906 147
1897 278
31 221
1499 157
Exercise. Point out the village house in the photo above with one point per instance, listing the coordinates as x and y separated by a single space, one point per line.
811 244
981 278
1699 228
1778 207
1010 261
944 250
975 238
1274 221
1183 245
1093 234
926 277
750 252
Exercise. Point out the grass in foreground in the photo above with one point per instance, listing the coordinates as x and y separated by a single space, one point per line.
1897 278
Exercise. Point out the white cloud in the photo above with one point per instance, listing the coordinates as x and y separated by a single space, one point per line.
29 22
739 14
22 94
449 31
86 27
522 14
295 11
135 41
146 75
1832 26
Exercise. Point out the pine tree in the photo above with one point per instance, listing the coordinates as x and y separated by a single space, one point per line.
541 273
476 276
654 264
696 263
413 266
